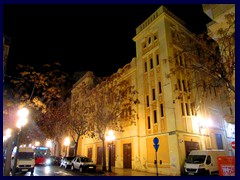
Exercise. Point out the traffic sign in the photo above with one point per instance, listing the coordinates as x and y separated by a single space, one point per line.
155 143
156 146
155 140
233 144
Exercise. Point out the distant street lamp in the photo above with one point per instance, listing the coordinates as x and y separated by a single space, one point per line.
7 160
37 143
110 138
66 144
22 121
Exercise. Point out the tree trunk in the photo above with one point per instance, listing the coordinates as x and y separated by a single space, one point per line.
76 147
104 168
59 147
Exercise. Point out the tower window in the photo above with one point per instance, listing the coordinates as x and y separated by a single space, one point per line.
149 40
147 101
151 63
155 116
162 112
145 66
149 123
160 87
153 94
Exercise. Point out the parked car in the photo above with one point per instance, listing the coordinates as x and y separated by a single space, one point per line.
66 161
83 164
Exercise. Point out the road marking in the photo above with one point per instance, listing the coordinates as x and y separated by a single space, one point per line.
61 172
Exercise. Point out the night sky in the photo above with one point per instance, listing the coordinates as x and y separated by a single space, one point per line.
82 37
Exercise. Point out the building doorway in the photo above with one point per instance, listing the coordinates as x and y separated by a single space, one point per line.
113 155
191 145
99 155
127 156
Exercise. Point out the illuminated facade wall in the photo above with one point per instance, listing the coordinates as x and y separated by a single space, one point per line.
167 103
217 13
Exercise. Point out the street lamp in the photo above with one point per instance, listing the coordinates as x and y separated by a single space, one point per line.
66 144
110 138
22 121
37 143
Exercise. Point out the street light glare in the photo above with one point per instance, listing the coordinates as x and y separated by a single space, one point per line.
21 122
66 141
23 112
8 133
110 136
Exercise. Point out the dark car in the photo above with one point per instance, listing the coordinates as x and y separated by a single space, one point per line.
66 161
53 160
83 164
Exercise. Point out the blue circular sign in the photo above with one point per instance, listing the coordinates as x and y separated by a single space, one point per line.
155 140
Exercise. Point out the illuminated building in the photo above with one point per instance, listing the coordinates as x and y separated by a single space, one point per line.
170 108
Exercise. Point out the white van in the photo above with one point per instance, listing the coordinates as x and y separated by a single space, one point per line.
25 161
202 162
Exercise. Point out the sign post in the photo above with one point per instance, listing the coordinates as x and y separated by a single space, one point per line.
156 146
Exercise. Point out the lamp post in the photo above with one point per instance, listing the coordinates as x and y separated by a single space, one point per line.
110 138
66 144
22 121
7 162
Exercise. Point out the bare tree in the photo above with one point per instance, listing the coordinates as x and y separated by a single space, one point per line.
77 122
54 123
205 63
38 90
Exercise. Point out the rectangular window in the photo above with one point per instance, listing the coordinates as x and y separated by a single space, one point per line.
179 85
153 94
184 86
182 107
219 141
160 87
162 112
155 116
157 59
145 66
147 101
151 63
149 123
187 109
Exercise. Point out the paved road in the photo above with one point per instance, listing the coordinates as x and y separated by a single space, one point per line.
56 171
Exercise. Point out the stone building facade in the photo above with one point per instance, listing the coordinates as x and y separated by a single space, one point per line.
169 109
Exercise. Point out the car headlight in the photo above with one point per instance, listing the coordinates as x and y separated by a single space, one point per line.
48 161
201 165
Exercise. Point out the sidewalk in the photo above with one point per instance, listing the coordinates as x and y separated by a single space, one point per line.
127 172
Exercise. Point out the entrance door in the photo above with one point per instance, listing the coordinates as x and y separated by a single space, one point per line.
190 145
90 153
99 155
127 156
